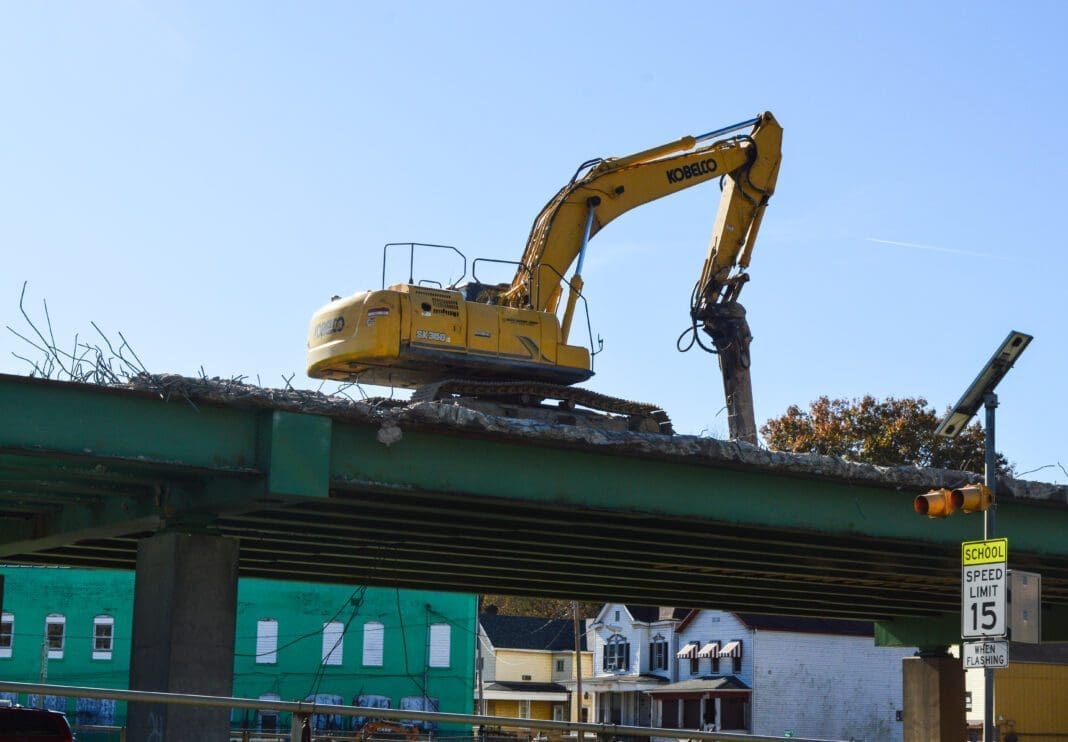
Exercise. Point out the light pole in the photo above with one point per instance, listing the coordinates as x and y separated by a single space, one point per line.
981 392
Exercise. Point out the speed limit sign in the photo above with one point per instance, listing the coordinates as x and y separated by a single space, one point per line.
984 582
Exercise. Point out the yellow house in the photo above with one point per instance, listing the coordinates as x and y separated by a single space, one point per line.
528 668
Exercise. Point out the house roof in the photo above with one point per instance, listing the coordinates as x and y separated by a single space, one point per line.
838 627
526 687
700 685
530 632
616 681
650 614
1056 654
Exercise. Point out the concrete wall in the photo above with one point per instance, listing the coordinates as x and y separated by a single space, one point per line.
815 685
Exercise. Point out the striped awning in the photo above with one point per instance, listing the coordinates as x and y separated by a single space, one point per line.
709 650
731 649
688 652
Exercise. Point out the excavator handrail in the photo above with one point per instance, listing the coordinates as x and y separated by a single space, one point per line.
586 312
411 258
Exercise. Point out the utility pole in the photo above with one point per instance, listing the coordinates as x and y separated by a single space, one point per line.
981 393
990 402
479 665
44 670
578 665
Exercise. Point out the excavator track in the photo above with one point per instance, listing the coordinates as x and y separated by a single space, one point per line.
530 394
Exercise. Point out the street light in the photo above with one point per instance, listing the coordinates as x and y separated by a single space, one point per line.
981 392
993 372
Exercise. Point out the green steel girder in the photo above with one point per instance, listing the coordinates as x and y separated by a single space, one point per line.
86 471
120 461
565 477
933 631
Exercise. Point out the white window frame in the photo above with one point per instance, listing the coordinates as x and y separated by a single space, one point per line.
524 708
98 622
56 619
7 619
617 653
659 658
440 639
374 642
333 642
261 713
266 641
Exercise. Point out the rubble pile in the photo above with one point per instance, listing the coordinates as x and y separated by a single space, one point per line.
394 416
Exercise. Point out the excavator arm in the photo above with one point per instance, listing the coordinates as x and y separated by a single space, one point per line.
604 189
601 190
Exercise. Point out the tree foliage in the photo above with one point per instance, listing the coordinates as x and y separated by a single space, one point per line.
889 432
508 605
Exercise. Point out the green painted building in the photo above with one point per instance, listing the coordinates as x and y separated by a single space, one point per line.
376 646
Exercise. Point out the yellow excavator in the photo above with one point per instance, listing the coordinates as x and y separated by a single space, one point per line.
504 342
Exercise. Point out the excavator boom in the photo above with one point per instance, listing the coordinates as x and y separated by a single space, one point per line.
610 187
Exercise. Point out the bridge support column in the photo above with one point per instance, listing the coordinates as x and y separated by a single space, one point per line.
185 604
933 694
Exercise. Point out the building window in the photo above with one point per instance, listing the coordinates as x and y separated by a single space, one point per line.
333 642
373 642
524 708
103 637
658 653
94 712
55 631
7 634
559 665
267 720
617 616
440 644
617 654
266 641
733 650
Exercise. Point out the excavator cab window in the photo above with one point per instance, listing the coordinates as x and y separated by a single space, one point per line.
482 293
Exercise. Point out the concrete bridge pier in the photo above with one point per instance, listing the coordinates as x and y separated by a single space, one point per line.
185 605
933 695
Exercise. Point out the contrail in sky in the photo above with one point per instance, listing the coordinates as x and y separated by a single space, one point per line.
934 248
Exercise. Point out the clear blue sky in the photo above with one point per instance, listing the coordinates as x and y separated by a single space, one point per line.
203 176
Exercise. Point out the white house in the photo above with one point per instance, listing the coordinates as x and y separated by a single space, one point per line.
773 675
633 652
766 675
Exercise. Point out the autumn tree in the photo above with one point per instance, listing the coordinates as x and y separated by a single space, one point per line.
889 432
509 605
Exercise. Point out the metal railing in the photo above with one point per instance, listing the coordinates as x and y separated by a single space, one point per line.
303 710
